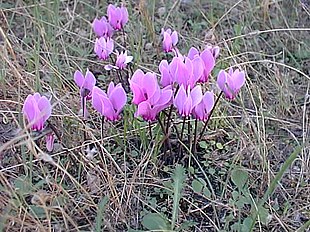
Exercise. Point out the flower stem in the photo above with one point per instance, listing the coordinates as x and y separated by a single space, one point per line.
206 123
102 122
84 116
195 137
150 130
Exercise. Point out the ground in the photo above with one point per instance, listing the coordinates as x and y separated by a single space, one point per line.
252 163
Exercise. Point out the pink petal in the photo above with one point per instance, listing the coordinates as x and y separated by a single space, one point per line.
78 78
221 80
239 80
97 101
196 95
90 80
167 42
50 141
118 98
124 15
192 53
110 88
208 101
45 108
180 99
209 63
197 70
30 109
174 38
144 110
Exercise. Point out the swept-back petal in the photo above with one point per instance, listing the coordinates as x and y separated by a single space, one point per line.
196 95
198 67
97 101
239 80
221 80
118 98
180 99
78 78
90 80
45 108
30 109
192 53
174 38
208 101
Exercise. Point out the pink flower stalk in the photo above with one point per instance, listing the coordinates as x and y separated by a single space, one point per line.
102 28
149 109
231 82
117 16
37 109
208 62
86 83
203 109
186 101
122 60
50 141
109 105
187 71
104 47
170 39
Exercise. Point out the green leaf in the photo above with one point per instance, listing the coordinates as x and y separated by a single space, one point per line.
239 177
206 192
197 186
219 146
178 184
100 213
203 144
37 211
154 221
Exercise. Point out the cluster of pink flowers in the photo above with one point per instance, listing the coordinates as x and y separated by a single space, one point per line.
104 29
181 81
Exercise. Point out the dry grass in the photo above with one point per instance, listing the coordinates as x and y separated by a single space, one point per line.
42 44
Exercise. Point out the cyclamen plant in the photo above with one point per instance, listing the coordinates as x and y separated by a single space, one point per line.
37 109
181 85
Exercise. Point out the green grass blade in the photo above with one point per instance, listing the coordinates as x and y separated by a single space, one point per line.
100 213
178 184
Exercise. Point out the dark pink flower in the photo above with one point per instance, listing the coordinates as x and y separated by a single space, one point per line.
185 101
104 47
102 28
231 82
86 83
117 16
208 61
203 109
144 87
187 72
111 104
122 59
170 39
149 109
37 109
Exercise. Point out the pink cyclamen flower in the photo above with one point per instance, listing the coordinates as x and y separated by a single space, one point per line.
37 109
203 109
86 83
187 72
149 109
170 39
102 28
208 62
185 101
231 82
144 87
117 16
111 104
122 60
104 47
